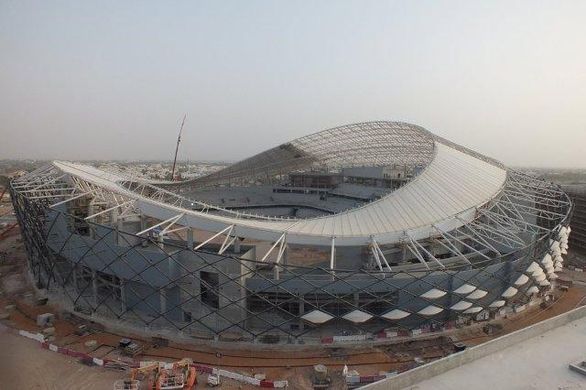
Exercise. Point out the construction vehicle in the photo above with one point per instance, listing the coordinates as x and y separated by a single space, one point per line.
213 380
144 371
180 375
130 348
320 377
169 380
149 374
189 371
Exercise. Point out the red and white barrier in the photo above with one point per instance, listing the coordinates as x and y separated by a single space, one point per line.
200 368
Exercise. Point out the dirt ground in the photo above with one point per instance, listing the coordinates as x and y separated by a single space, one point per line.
25 365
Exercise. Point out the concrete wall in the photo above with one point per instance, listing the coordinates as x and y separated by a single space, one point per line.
430 370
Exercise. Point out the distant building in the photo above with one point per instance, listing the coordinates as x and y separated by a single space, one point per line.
16 174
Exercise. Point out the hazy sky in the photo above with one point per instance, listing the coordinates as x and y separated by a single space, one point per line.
111 80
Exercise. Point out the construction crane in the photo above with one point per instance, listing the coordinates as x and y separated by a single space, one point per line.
177 148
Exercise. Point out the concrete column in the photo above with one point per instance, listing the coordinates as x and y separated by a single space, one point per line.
333 257
190 241
237 245
114 223
122 295
143 226
174 269
74 278
451 299
163 298
119 228
91 211
95 289
301 313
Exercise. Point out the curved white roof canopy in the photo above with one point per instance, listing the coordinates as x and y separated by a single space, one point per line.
357 316
434 293
533 290
477 294
430 310
498 303
534 267
521 280
544 283
317 317
396 314
465 289
445 195
509 292
540 277
462 305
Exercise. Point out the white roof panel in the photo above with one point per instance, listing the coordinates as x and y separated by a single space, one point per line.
430 310
521 280
434 293
510 292
477 294
453 183
473 310
396 314
317 317
357 316
462 305
465 289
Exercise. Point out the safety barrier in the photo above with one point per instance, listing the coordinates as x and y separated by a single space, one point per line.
200 368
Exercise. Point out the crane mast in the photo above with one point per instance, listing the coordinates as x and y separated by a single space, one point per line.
177 148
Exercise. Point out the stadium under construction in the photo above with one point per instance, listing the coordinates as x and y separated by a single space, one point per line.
355 232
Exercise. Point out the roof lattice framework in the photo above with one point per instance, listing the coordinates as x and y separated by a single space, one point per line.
361 144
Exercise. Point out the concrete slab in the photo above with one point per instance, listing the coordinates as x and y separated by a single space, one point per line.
537 363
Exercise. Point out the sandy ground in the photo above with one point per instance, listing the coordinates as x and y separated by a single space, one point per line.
25 365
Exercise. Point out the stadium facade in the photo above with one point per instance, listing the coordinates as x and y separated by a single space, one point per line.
577 193
348 232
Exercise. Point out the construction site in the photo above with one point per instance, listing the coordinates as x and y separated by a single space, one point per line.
335 260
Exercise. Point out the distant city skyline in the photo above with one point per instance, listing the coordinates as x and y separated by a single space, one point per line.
112 80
